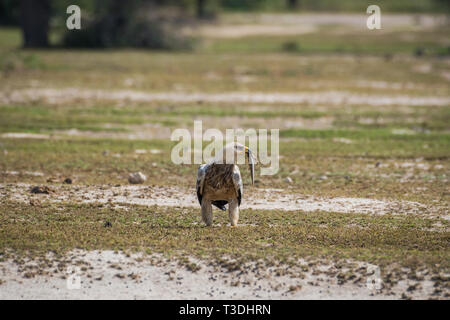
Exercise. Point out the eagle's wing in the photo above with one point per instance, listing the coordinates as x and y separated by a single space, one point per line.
237 181
200 181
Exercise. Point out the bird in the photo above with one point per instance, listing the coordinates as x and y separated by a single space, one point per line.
220 183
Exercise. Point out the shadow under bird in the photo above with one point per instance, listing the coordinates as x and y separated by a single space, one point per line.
220 183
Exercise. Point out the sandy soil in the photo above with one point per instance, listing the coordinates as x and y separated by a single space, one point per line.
238 31
257 199
236 25
158 131
109 275
334 98
347 19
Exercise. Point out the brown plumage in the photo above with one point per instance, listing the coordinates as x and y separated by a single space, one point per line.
219 175
218 185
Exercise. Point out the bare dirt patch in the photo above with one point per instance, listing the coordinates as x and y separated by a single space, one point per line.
22 135
239 31
256 199
269 24
116 275
334 98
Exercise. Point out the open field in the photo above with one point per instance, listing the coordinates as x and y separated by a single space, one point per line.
364 140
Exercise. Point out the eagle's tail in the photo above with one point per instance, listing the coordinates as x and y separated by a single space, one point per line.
220 204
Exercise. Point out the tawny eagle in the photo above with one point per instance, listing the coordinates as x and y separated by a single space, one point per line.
220 183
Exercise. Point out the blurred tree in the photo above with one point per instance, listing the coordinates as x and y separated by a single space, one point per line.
293 4
9 12
243 4
34 20
200 9
131 23
444 4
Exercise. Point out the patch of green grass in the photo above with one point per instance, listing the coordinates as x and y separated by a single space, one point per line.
156 71
272 235
44 118
18 61
354 42
368 134
11 38
350 169
224 111
109 116
370 143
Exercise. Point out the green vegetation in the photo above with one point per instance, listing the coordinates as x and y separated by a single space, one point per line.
267 235
337 5
330 42
350 169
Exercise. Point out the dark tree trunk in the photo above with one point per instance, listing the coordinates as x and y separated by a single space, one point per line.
34 20
293 4
200 8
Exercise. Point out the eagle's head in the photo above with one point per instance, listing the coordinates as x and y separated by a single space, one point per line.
237 153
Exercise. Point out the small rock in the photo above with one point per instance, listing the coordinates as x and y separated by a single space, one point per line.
288 180
419 52
294 288
413 287
136 178
405 297
35 202
41 189
388 56
67 181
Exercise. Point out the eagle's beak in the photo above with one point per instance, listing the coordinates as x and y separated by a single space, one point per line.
251 164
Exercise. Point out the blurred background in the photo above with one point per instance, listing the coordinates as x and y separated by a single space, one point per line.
167 24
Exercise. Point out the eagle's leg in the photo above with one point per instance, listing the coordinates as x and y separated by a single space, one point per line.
207 212
233 212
